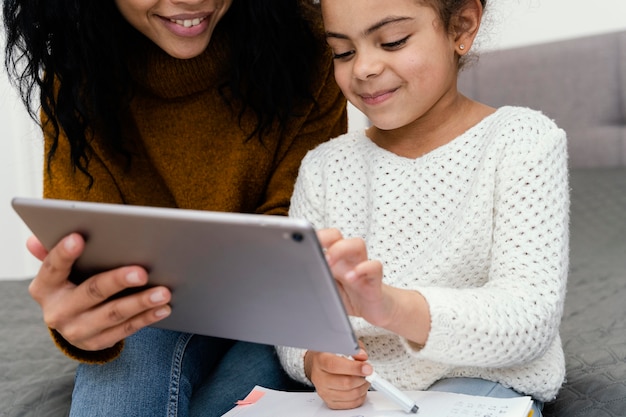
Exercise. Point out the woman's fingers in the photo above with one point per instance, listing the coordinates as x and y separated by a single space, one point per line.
56 265
85 314
115 320
35 247
103 286
88 319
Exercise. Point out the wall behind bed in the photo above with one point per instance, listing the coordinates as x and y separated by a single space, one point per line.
509 23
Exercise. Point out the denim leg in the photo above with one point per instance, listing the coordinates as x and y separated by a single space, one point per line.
244 366
154 376
475 386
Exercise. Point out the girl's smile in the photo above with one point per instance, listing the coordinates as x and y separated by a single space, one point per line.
378 97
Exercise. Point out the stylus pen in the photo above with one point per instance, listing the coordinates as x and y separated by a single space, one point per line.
393 393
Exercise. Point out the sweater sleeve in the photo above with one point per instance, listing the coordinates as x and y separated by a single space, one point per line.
515 316
292 360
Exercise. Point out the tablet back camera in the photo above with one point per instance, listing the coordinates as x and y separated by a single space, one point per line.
297 237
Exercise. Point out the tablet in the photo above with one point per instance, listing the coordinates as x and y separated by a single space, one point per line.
250 277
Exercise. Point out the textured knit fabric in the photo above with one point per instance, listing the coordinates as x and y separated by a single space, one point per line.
479 226
188 149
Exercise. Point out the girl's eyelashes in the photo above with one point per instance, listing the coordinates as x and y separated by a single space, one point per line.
396 44
343 55
389 46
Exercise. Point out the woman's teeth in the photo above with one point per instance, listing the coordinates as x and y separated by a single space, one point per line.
187 22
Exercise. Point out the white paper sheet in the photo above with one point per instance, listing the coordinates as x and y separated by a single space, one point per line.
431 404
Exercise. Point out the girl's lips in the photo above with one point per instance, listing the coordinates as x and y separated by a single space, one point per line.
378 97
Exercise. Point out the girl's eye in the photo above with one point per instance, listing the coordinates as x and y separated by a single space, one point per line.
396 44
343 55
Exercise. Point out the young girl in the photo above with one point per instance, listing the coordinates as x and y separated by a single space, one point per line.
462 208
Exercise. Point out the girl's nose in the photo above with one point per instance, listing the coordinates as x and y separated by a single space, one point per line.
366 65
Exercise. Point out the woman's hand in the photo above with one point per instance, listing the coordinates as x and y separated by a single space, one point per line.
81 313
339 381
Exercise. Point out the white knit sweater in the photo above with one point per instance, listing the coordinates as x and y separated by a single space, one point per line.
479 226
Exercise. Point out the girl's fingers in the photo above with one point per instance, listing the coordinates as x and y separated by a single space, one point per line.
328 237
340 381
368 272
345 254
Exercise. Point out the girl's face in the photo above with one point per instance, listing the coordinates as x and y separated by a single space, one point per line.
182 28
393 59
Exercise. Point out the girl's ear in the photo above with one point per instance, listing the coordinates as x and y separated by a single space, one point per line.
465 25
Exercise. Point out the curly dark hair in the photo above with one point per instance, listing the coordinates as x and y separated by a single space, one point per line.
448 10
72 54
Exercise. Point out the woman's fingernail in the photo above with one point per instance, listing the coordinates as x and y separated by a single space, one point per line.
157 296
162 312
133 278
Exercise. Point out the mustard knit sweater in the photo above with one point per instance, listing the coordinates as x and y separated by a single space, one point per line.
189 149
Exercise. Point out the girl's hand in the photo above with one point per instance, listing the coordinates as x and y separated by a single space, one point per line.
339 381
360 284
360 281
81 313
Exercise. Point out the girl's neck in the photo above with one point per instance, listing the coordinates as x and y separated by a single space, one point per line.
432 130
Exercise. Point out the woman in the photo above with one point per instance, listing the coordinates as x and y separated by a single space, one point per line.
176 103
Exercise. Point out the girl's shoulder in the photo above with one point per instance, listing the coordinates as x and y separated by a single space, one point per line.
521 132
521 127
521 120
350 143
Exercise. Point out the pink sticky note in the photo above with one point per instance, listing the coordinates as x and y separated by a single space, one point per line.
253 397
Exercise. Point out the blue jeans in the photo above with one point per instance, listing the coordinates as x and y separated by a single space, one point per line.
163 373
172 374
474 386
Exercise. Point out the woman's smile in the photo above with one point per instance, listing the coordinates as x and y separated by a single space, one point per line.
187 26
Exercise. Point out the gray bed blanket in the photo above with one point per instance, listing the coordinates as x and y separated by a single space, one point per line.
36 380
